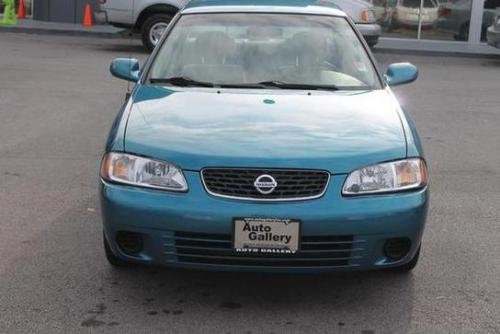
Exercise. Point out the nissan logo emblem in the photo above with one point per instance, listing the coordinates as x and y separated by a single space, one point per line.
265 184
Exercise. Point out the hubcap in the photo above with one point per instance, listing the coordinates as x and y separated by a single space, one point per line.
156 32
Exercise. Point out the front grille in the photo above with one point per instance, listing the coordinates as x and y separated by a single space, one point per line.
291 184
216 249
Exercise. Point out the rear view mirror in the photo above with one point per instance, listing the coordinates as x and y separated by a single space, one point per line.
401 73
125 68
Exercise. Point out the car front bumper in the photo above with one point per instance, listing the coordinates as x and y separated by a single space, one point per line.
181 229
370 31
493 37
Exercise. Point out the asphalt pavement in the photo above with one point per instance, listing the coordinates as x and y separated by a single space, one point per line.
57 103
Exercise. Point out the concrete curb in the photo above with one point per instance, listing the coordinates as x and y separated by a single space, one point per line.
435 48
95 31
434 53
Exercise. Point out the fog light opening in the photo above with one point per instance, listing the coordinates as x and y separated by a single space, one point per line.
397 248
129 242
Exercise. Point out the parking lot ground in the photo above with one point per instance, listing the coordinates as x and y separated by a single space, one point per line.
57 103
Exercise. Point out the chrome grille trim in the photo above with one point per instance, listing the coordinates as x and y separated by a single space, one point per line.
266 171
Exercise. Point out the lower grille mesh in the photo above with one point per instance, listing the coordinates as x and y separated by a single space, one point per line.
216 249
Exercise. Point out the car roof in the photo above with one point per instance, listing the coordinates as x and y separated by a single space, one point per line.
323 7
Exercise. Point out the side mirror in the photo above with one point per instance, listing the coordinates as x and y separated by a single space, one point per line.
401 73
125 68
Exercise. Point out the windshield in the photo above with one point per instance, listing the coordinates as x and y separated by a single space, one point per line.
252 48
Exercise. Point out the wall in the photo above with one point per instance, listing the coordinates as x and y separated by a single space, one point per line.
70 11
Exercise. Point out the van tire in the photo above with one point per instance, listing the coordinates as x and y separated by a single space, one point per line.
153 22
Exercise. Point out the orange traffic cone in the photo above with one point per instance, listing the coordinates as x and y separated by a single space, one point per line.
87 17
21 10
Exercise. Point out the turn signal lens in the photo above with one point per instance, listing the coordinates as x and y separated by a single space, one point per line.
387 177
367 16
144 172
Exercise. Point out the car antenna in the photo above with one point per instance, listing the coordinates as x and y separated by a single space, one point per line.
128 93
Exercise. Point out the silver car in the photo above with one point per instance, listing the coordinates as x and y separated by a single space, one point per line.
364 15
150 18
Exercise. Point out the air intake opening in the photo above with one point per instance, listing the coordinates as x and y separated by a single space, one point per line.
129 242
265 184
397 248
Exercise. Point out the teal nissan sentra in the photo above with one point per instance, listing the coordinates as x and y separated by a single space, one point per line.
260 136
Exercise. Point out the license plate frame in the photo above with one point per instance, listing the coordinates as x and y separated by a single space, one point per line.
270 236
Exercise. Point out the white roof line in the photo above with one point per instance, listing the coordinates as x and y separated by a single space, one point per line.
317 10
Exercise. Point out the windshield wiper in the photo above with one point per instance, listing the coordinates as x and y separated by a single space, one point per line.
240 85
185 81
182 81
285 85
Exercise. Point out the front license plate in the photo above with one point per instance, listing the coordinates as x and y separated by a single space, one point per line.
266 235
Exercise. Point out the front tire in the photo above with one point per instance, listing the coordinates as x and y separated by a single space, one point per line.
152 29
371 41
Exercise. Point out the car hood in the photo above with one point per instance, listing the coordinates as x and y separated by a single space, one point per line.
195 128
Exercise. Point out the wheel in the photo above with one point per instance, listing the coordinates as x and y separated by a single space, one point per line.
410 265
112 259
484 33
394 25
152 29
371 41
463 32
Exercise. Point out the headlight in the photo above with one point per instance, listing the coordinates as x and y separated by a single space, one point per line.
367 16
497 21
387 177
143 172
